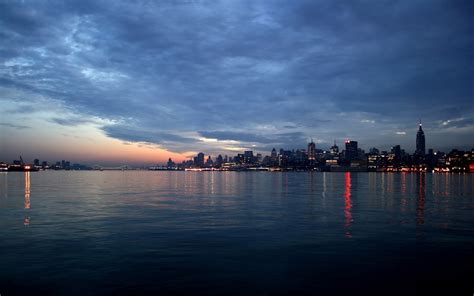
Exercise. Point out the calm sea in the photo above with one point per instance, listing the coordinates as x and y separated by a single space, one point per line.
247 233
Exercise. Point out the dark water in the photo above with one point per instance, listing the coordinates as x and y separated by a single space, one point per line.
140 232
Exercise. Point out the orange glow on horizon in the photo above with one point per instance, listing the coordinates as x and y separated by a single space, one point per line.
85 145
108 150
128 153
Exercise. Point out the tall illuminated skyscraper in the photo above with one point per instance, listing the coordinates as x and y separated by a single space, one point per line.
311 151
420 141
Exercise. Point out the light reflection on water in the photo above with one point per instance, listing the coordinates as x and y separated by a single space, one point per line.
26 220
348 204
178 232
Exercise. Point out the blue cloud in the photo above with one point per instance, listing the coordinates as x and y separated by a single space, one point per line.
281 71
138 135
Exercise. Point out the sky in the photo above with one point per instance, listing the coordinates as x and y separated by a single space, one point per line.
137 82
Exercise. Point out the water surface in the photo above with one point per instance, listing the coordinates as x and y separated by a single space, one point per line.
249 233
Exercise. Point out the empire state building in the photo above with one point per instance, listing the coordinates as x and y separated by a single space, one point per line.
420 141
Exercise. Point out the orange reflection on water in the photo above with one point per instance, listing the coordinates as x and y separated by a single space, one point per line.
404 183
348 204
404 200
420 209
26 220
27 190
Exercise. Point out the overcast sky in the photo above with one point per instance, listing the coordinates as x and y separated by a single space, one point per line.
140 81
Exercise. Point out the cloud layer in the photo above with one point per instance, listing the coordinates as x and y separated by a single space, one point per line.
222 75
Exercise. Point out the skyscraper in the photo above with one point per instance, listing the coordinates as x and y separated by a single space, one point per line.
274 155
420 142
199 160
397 151
248 156
351 150
209 161
311 151
219 160
170 164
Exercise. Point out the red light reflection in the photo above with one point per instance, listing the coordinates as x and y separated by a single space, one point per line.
348 204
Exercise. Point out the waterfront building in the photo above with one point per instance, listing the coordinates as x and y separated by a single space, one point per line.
376 162
300 156
248 157
395 156
274 157
209 161
397 151
334 149
274 154
170 164
240 158
219 160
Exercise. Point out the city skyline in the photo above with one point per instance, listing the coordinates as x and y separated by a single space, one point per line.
351 155
130 83
419 144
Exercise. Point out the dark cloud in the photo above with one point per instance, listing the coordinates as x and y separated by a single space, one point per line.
168 68
17 126
22 110
139 135
69 121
